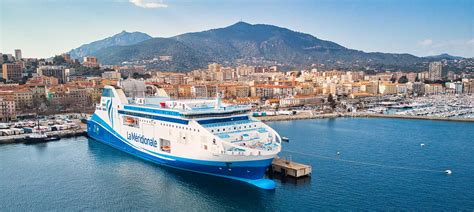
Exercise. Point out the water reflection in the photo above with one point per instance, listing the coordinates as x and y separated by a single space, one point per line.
302 181
40 147
204 188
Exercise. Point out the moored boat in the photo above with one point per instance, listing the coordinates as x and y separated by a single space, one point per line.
40 137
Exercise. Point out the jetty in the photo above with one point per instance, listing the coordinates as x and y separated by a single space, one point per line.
290 168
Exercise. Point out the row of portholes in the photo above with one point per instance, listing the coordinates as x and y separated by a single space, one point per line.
235 128
146 121
179 127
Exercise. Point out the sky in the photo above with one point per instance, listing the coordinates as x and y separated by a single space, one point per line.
44 28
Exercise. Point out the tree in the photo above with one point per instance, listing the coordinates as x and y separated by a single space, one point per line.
331 101
298 74
59 60
393 79
136 75
23 80
330 98
5 58
403 79
417 79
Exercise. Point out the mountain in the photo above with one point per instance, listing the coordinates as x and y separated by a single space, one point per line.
444 56
184 57
121 39
256 44
246 41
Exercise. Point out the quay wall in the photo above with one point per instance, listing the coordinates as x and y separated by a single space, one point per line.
21 138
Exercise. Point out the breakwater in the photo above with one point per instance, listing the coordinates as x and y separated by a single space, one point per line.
358 114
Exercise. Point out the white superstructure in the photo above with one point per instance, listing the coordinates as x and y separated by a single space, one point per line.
204 136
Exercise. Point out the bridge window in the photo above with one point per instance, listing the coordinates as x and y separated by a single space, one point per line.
107 93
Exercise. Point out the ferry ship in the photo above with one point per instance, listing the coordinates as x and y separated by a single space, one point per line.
199 135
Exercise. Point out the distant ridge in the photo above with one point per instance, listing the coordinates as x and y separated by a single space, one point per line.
444 56
121 39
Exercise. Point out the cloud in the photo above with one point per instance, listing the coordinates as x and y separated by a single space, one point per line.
426 42
150 4
470 42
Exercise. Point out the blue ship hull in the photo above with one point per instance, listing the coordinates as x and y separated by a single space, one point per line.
248 171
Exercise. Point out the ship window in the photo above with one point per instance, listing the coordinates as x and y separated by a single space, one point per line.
131 121
107 93
165 145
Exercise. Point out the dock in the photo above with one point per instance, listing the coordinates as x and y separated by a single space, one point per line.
62 134
290 168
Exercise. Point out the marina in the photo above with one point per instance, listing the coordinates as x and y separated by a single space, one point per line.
456 106
50 128
440 106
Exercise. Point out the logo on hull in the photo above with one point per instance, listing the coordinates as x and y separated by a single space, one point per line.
142 139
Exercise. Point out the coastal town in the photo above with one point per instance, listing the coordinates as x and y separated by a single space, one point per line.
31 87
236 106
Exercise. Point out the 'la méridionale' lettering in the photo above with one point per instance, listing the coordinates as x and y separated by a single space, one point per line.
142 139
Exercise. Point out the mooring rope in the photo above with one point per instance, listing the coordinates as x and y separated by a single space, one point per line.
364 163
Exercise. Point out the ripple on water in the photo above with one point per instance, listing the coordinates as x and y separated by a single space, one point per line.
81 174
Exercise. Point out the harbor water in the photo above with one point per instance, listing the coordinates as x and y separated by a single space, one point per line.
381 165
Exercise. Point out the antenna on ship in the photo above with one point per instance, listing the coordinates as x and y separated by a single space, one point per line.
218 99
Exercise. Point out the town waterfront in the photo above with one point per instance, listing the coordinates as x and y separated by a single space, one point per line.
381 166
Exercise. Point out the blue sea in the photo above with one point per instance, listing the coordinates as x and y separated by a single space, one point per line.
381 166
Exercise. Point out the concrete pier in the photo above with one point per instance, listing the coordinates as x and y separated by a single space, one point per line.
290 168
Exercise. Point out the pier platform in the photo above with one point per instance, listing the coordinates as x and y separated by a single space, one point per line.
290 168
